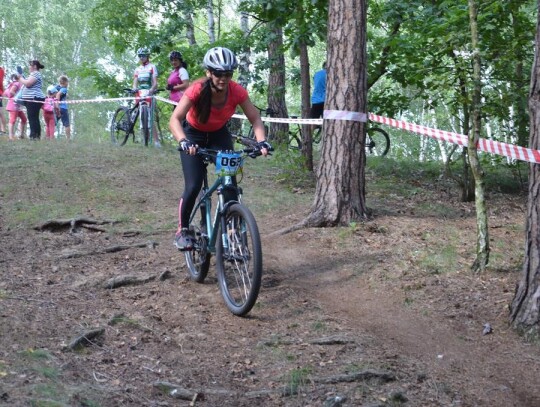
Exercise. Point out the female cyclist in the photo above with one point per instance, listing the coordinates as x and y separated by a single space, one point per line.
200 119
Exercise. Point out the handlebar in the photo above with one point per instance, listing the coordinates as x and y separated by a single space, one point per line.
134 91
252 148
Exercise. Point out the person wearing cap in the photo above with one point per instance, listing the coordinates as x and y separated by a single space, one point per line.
178 80
33 97
200 120
145 81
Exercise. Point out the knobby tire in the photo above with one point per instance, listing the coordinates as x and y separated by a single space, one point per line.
120 126
377 142
144 122
239 266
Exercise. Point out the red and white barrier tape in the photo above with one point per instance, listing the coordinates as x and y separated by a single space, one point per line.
495 147
489 146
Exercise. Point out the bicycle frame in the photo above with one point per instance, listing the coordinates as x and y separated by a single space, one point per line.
212 221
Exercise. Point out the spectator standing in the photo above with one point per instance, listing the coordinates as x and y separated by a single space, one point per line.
2 117
34 97
145 80
15 111
178 80
61 96
319 93
49 112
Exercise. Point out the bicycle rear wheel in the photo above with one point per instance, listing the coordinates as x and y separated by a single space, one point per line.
377 142
144 123
120 126
239 263
198 260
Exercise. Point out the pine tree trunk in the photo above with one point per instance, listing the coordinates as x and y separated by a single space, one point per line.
525 308
307 144
482 233
276 84
340 193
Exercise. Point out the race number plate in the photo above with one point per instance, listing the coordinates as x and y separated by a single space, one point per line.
228 164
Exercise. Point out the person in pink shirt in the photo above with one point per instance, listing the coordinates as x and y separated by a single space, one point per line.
2 118
178 80
49 112
15 111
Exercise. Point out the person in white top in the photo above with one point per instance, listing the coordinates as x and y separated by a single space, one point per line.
145 81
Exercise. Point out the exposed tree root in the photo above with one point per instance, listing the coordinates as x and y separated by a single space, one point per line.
71 253
124 280
80 221
179 392
86 338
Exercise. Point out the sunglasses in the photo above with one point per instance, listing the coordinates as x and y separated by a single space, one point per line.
222 74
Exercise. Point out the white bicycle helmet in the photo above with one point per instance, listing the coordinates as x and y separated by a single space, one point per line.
220 59
52 89
143 51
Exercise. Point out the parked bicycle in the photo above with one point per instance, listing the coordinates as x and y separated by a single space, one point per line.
230 233
377 139
125 118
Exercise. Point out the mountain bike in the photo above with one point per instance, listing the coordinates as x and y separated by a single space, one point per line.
125 117
377 140
230 233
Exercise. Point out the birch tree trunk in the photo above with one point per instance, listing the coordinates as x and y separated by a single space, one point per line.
482 233
211 22
190 28
276 84
525 307
340 192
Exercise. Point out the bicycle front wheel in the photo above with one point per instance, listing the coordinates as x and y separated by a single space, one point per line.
377 142
239 259
144 123
120 126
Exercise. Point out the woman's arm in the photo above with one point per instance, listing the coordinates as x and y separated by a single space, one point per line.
178 116
28 82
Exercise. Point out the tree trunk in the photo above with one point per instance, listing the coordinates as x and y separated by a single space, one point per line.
190 28
244 56
482 233
276 84
519 82
340 192
211 22
307 143
525 307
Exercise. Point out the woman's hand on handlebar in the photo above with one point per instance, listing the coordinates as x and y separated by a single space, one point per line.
265 147
187 146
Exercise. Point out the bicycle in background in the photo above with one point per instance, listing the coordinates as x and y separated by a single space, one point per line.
230 232
377 139
125 118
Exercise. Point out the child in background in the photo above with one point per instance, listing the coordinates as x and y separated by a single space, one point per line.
15 111
49 113
61 96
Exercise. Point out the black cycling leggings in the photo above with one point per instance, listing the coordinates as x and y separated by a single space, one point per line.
193 166
32 109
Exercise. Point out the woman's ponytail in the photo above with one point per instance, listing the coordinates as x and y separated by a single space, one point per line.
204 102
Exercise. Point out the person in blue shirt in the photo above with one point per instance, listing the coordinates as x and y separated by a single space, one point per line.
61 95
319 93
